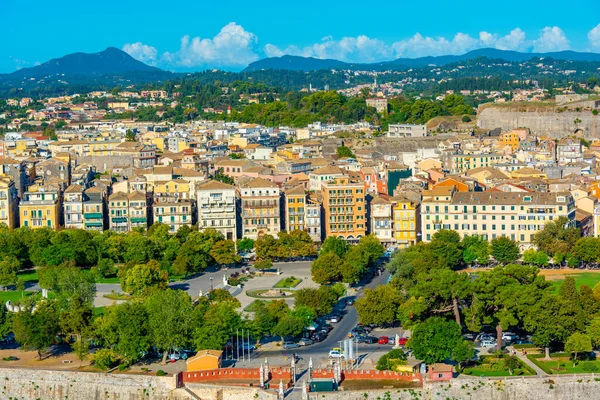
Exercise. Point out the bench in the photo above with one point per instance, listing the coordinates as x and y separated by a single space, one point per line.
67 361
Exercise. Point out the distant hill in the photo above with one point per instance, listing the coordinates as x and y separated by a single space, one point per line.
80 72
109 61
297 63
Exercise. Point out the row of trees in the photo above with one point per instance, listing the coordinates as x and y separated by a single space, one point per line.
188 252
428 294
339 261
293 244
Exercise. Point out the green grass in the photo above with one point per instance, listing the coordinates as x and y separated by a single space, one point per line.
561 363
492 366
586 278
252 306
29 276
13 295
290 282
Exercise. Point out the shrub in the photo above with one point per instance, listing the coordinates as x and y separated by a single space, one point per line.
160 372
595 112
122 367
104 359
466 118
588 366
389 361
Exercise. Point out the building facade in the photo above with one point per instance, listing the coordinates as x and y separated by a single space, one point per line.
344 208
41 207
261 208
217 204
9 202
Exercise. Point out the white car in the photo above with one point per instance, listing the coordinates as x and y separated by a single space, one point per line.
488 343
335 319
336 354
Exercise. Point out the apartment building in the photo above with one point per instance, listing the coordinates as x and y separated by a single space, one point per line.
406 130
143 156
172 211
18 171
217 203
261 208
381 220
406 219
73 207
41 206
128 211
9 202
459 163
313 217
295 209
94 208
516 215
324 174
344 208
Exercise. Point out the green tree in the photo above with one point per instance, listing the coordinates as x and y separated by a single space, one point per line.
9 266
216 326
335 245
289 325
327 268
593 331
169 319
535 257
320 300
224 253
263 264
578 343
504 250
435 340
379 305
390 360
557 237
587 249
245 244
143 278
36 329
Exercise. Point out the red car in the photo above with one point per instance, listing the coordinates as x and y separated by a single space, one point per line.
402 341
383 340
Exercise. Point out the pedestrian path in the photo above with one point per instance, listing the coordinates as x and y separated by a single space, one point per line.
523 358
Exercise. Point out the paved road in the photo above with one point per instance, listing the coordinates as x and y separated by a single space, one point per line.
340 332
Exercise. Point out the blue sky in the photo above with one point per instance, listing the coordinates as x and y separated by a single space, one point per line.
194 35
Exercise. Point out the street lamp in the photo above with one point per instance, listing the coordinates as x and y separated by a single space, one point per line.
211 283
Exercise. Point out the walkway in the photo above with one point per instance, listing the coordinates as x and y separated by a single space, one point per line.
527 361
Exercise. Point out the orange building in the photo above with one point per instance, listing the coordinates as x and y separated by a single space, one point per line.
205 360
344 208
452 182
511 140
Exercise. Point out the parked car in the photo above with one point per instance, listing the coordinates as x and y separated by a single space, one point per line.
350 302
318 336
509 336
305 342
290 345
336 354
366 339
383 340
484 336
248 346
402 341
335 319
523 341
488 343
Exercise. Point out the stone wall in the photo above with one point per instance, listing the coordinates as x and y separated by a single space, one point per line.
533 388
31 384
210 392
541 121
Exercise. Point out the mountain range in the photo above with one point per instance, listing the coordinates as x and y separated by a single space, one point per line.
297 63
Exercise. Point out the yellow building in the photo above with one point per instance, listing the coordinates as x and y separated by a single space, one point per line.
41 207
128 211
510 140
405 214
159 142
179 188
528 172
9 202
344 208
295 208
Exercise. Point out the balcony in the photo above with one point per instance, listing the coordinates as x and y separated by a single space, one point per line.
119 220
138 220
92 215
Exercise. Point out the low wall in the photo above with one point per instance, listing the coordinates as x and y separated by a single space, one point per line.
236 374
210 392
382 375
31 384
585 387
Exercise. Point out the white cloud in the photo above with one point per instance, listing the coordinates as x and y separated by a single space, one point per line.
515 40
551 39
232 46
141 52
594 38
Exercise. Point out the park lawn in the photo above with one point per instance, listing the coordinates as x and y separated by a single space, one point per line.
585 278
561 363
28 276
13 295
290 282
492 366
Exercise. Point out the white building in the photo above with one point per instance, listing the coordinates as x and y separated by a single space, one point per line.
217 208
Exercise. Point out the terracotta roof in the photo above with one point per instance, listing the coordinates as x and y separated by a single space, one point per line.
214 185
259 183
118 196
296 191
328 170
74 189
137 195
